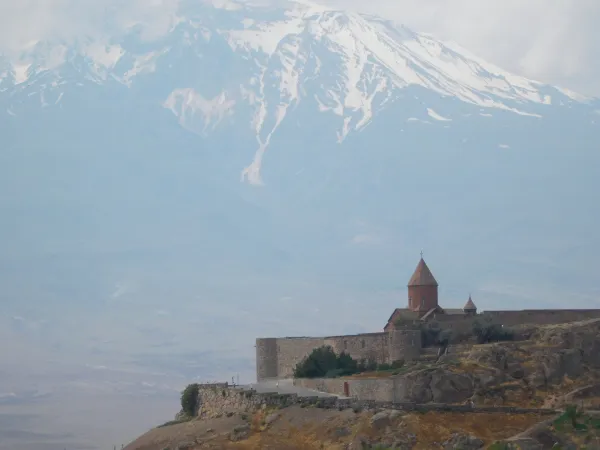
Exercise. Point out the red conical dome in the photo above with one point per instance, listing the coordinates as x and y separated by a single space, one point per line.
422 289
422 276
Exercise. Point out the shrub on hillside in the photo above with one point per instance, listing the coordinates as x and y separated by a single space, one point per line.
383 367
398 364
189 399
323 362
335 373
492 333
433 336
320 361
446 337
367 366
346 363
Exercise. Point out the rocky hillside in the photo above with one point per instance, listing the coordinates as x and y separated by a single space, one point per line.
314 428
557 364
557 367
297 428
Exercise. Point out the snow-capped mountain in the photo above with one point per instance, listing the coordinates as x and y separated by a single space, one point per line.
251 66
370 141
259 171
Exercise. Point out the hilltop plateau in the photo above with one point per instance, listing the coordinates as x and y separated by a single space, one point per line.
556 368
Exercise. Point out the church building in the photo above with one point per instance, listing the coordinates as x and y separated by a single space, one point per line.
423 304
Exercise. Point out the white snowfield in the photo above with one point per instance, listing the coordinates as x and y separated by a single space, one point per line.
340 63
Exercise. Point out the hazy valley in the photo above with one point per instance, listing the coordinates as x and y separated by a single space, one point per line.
264 171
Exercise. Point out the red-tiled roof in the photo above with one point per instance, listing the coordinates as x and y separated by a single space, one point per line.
422 276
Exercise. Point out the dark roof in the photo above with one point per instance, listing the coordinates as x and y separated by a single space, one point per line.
422 276
454 311
470 306
405 313
392 315
429 313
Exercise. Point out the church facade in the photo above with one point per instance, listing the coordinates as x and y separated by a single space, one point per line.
401 336
423 304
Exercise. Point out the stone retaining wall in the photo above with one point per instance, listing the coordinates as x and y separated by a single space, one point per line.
333 386
378 389
221 399
217 400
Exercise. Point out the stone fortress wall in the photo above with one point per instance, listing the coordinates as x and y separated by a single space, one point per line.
277 357
540 316
221 399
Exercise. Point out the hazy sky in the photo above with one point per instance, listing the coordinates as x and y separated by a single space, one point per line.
556 41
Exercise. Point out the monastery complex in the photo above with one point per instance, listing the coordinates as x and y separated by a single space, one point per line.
401 335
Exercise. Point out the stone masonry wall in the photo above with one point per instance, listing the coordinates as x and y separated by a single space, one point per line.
217 400
464 324
333 386
381 389
461 324
541 316
277 357
404 344
290 351
371 346
266 358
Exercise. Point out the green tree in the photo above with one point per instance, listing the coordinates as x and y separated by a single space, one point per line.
320 361
445 337
189 399
323 362
346 363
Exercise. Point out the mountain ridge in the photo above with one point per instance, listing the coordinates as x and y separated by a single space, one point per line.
426 170
123 168
288 59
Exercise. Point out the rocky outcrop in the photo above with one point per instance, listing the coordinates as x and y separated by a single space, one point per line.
505 373
552 434
448 387
380 420
553 367
240 432
463 442
514 371
435 385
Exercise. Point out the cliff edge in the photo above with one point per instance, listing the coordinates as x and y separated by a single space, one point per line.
556 369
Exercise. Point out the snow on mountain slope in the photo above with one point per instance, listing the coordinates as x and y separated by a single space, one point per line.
343 64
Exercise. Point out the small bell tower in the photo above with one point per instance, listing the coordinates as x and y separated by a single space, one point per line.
470 308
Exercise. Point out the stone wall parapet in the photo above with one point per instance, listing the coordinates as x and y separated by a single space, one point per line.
277 357
216 400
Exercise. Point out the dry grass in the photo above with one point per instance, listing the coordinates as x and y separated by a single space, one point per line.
302 429
433 427
316 429
469 366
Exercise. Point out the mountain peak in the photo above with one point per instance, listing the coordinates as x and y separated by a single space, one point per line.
344 65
